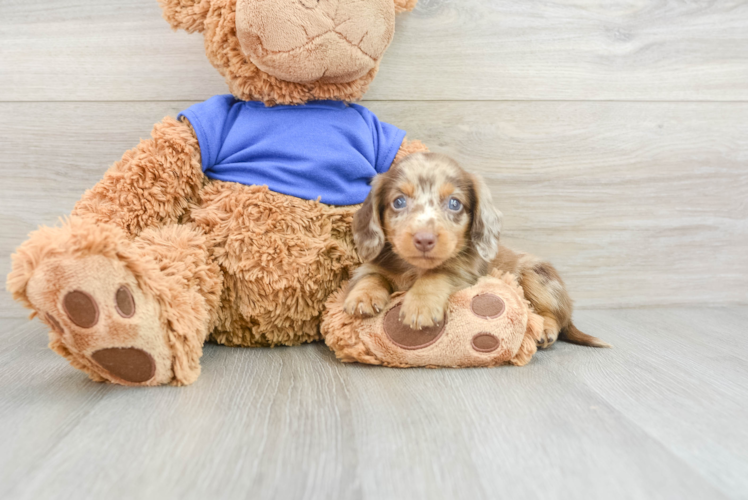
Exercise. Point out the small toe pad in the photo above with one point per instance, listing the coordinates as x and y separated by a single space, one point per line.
124 302
81 308
485 342
487 305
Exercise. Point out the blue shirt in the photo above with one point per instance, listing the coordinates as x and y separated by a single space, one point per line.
326 150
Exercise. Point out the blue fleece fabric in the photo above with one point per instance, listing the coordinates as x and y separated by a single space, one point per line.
323 149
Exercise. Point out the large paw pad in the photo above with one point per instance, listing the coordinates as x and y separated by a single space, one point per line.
410 338
128 363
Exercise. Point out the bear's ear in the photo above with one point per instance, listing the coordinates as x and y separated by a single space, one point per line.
404 5
188 15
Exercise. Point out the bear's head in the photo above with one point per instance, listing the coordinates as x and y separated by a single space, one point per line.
292 51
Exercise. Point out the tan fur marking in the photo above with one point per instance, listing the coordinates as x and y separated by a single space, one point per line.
446 190
408 189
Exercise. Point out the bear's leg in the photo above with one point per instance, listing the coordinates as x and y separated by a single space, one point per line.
132 312
152 185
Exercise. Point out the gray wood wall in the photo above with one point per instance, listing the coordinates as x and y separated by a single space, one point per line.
614 134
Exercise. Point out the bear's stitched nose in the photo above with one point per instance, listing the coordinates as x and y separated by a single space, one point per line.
424 241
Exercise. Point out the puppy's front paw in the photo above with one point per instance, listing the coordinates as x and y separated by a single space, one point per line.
419 311
366 300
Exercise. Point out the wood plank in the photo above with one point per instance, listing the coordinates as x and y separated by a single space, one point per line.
501 50
674 369
637 204
41 399
295 423
537 422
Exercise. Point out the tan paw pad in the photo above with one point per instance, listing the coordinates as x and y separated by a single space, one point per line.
102 319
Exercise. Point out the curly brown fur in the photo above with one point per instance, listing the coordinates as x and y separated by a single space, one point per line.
405 5
152 185
273 249
408 148
410 204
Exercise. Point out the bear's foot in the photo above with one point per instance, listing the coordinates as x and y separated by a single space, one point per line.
116 308
102 319
487 324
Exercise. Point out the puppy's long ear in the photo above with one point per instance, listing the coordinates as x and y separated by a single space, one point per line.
367 226
486 228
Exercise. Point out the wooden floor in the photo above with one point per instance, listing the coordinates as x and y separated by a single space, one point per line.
661 415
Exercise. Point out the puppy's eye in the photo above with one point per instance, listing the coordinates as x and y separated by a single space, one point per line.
454 204
399 203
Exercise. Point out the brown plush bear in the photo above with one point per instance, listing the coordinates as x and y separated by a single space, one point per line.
233 222
159 257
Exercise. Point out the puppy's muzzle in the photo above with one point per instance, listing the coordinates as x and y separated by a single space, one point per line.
424 242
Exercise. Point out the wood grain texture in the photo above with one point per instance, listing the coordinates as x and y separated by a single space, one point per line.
87 50
636 203
636 421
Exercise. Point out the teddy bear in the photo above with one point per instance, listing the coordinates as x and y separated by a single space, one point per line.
231 224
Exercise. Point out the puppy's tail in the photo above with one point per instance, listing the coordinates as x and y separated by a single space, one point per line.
574 335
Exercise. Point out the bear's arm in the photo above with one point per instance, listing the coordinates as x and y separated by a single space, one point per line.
152 184
408 148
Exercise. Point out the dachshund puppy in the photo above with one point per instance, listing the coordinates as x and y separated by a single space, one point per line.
429 228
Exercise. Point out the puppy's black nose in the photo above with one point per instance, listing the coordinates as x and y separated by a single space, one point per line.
424 241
